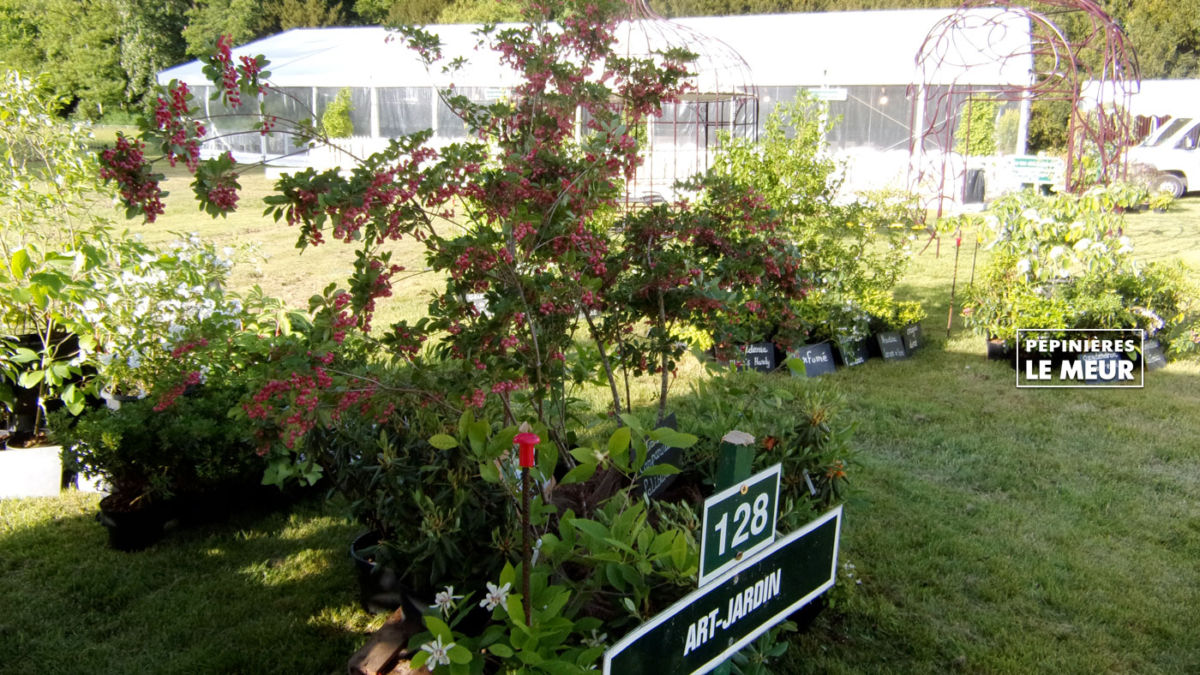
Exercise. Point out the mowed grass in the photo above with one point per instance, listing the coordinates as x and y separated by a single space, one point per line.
993 530
271 594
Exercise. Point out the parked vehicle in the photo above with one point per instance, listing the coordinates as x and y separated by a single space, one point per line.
1171 151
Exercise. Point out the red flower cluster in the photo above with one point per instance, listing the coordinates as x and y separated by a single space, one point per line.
126 164
168 399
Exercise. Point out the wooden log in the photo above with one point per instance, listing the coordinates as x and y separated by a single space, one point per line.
383 654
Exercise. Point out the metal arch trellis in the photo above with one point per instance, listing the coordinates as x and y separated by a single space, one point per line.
984 34
721 98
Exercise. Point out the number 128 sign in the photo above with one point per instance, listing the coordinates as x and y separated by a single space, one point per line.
738 521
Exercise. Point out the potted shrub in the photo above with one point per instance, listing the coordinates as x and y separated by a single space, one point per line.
163 461
1161 201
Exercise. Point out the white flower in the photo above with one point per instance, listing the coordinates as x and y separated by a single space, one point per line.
496 596
595 640
438 653
135 359
1057 252
1126 245
1023 265
444 601
1083 244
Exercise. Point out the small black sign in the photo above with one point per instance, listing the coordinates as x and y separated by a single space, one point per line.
854 352
758 356
1153 355
891 345
657 453
912 337
817 359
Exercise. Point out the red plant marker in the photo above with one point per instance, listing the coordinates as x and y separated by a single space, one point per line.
527 441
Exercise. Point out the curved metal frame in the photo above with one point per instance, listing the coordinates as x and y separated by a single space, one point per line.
1058 67
721 97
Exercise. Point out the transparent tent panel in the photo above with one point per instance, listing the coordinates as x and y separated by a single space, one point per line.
360 106
404 110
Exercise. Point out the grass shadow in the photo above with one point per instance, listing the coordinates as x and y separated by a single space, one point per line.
265 594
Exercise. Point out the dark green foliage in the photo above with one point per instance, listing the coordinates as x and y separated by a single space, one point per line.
143 453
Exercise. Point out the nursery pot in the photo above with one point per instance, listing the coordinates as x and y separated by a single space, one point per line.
25 411
379 587
133 529
999 350
853 352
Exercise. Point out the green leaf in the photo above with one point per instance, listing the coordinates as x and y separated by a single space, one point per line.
619 441
438 628
31 378
20 262
73 399
591 528
477 433
580 474
502 650
661 470
443 441
508 575
673 438
459 654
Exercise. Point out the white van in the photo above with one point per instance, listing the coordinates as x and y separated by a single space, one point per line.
1172 151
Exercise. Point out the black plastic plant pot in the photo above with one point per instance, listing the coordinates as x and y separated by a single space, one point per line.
379 587
135 529
999 350
852 353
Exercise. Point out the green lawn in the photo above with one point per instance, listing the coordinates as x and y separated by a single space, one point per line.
993 530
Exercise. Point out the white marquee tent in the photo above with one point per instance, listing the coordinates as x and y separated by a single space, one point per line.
863 63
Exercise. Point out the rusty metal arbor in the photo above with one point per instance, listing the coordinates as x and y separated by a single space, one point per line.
721 98
966 43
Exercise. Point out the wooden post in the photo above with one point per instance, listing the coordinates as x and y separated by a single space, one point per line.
734 465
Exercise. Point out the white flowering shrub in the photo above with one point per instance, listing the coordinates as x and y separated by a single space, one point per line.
155 306
1064 261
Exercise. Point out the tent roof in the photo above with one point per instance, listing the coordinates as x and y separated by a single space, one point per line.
1154 98
830 48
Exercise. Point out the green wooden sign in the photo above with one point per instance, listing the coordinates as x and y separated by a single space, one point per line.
738 521
706 627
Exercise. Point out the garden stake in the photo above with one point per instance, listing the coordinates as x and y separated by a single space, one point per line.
734 465
526 441
953 284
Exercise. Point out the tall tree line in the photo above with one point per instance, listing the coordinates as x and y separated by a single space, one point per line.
101 55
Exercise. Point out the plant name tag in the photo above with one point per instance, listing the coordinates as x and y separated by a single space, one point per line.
854 352
1153 355
817 359
912 337
758 356
891 345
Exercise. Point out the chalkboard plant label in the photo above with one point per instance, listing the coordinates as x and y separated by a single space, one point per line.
1153 355
853 352
891 345
660 453
811 360
758 356
913 339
